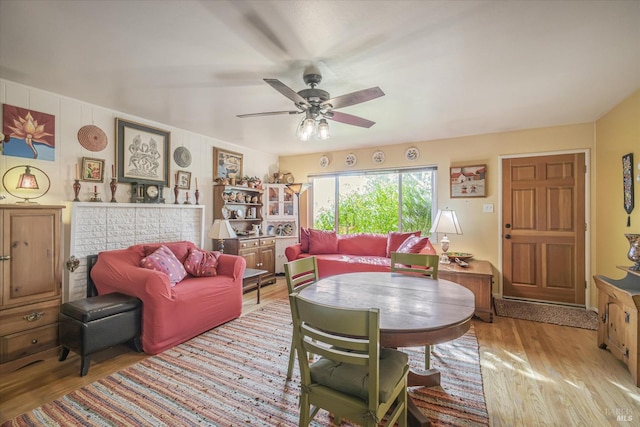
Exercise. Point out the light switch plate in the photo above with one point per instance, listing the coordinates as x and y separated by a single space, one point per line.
487 208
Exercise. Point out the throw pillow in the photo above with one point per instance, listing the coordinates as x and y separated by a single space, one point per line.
304 239
165 261
413 245
323 242
201 263
396 238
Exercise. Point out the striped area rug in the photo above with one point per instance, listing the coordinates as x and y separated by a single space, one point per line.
234 375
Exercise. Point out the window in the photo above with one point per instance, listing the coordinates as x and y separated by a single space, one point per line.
374 201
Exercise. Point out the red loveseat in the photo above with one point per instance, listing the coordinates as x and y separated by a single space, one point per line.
172 314
351 253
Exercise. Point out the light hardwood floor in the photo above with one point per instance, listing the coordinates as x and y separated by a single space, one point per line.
534 374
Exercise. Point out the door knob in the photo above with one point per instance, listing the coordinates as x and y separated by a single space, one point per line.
507 236
507 225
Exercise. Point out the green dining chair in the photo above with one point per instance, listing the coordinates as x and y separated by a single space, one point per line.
354 379
299 274
417 264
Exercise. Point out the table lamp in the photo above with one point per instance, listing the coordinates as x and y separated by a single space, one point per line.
221 229
446 222
297 189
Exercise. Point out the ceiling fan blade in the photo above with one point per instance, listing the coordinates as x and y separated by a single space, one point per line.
348 119
287 91
354 97
268 113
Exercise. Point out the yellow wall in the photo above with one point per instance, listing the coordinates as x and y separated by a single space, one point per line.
481 230
617 133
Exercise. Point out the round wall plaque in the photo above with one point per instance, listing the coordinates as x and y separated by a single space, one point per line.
182 157
92 138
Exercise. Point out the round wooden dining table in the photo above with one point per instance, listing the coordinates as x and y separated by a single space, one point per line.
414 311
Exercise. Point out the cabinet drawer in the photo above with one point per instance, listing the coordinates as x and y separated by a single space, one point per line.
29 316
249 244
267 241
28 342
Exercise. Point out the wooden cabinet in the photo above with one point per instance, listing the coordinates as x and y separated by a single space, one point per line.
259 252
31 272
478 278
619 321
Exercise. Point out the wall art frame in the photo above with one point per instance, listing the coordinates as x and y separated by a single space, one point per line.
183 180
32 134
142 153
92 169
468 181
627 182
226 164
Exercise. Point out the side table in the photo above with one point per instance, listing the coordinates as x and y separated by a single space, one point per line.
478 278
250 276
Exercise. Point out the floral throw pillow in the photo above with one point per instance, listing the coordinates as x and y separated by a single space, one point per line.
202 263
165 261
413 245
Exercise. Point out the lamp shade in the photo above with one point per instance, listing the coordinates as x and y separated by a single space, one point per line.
27 180
297 188
221 229
446 222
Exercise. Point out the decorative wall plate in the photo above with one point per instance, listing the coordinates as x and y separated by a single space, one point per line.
226 212
324 161
351 159
92 138
412 154
182 156
378 157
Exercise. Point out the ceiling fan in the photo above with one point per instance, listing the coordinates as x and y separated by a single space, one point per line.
318 105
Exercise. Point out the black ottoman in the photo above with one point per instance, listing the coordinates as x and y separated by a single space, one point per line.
96 323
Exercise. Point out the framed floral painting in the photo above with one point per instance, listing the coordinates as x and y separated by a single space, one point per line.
32 134
92 169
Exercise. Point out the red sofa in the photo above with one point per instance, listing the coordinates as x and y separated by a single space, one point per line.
172 314
351 253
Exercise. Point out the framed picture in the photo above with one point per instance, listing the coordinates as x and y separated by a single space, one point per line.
226 164
142 153
627 182
92 170
32 134
468 181
183 180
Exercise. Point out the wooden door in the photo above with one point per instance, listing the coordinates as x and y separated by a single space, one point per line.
543 228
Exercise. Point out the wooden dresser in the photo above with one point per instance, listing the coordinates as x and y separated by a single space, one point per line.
478 278
619 321
31 274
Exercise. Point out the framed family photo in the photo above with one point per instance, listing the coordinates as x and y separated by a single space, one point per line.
183 180
468 181
226 164
92 169
142 153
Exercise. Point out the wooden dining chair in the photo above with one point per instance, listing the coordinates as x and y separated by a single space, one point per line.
299 274
417 264
354 378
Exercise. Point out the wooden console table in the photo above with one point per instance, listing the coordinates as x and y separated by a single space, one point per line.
478 278
619 325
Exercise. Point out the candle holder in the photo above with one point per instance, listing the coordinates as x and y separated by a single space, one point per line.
187 202
95 197
114 186
197 194
176 192
76 189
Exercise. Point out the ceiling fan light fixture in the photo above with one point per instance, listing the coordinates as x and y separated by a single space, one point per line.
306 129
323 129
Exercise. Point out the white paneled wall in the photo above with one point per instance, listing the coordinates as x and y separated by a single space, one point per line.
97 227
70 115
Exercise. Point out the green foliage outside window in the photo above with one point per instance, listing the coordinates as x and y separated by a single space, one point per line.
369 204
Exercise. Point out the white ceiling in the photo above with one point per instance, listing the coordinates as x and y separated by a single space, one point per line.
448 68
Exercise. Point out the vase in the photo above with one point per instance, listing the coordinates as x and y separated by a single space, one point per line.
114 186
76 190
634 251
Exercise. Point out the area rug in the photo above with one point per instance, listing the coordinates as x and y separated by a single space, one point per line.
234 375
547 313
